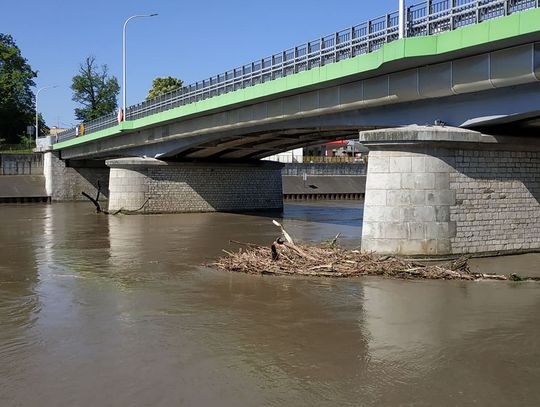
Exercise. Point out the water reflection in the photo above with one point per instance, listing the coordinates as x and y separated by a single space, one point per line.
448 342
333 217
19 303
119 311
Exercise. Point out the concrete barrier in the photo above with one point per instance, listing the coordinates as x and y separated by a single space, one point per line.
21 164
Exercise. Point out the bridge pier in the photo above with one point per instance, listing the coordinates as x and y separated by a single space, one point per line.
438 191
154 186
65 180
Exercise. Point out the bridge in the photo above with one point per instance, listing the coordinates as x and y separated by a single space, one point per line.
459 63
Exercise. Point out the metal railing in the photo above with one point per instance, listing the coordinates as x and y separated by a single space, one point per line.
425 18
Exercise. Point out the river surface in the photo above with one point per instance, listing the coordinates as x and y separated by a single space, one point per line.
102 310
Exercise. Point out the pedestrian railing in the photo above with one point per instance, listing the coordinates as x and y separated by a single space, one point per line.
425 18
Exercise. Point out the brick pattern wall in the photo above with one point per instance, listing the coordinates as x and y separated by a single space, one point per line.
67 184
497 201
437 201
196 188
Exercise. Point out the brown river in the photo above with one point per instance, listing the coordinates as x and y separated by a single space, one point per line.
118 311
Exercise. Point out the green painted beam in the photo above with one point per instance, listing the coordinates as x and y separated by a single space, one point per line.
502 28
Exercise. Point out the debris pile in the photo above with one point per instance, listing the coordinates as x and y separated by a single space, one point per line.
284 257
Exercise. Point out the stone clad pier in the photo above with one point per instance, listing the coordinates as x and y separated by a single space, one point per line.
154 186
438 191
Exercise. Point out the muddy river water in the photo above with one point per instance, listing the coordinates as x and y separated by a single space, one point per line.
118 311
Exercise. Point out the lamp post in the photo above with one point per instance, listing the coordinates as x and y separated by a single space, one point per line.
37 111
124 60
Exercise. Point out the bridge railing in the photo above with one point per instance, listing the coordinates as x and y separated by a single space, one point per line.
426 18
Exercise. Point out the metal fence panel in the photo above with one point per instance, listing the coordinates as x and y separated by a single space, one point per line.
424 18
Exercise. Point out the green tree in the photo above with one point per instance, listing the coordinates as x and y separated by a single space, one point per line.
161 86
44 130
95 90
16 97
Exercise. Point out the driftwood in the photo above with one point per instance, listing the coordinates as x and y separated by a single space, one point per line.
95 201
284 257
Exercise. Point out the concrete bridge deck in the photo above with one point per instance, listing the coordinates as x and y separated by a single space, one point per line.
467 70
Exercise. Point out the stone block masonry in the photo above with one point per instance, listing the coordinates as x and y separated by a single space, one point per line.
407 204
445 191
66 180
497 201
170 187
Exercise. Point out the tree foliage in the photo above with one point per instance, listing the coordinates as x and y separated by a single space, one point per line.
161 86
44 130
16 97
95 90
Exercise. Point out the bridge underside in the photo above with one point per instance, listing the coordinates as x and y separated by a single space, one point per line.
261 145
496 91
513 111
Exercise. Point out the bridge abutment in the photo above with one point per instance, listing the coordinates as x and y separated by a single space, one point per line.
153 186
65 180
436 191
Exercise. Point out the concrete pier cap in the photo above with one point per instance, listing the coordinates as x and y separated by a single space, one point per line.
440 191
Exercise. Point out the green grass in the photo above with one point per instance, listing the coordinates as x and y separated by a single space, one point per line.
22 151
16 149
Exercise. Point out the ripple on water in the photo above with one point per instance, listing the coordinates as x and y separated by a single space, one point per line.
124 305
19 313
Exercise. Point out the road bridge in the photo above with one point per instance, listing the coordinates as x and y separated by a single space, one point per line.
355 79
461 63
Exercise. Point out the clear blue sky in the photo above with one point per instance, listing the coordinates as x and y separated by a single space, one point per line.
191 40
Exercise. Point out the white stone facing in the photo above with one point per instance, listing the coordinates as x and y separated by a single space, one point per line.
450 193
408 223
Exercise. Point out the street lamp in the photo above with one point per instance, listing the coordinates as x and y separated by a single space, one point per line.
37 112
124 61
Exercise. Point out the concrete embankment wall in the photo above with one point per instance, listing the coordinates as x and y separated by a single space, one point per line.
299 169
324 181
21 164
23 188
21 178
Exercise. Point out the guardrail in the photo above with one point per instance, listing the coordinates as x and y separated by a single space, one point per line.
425 18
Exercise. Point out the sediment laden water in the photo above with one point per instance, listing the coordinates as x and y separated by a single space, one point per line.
117 311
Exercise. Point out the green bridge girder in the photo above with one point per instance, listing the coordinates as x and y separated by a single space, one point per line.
487 36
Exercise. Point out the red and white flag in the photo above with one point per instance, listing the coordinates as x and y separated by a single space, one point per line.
120 116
